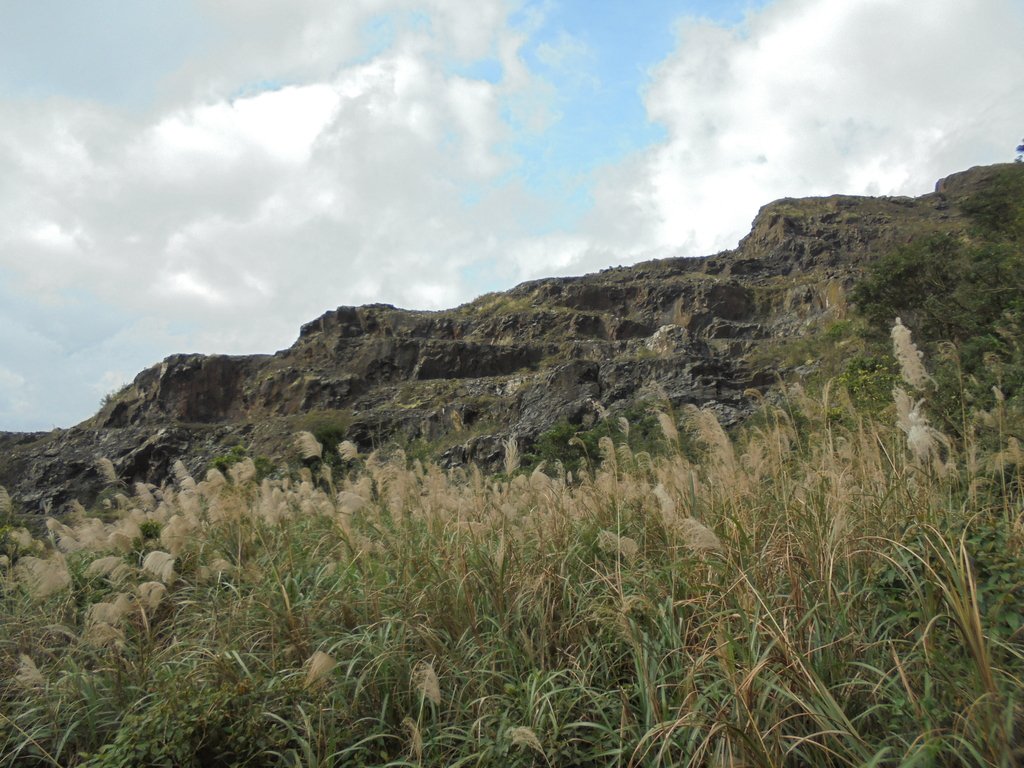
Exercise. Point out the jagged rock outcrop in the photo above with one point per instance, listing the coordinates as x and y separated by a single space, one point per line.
511 363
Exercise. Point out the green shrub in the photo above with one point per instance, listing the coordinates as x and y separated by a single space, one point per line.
869 381
150 529
839 330
576 447
224 462
968 291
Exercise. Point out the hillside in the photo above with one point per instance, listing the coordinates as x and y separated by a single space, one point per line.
837 579
452 385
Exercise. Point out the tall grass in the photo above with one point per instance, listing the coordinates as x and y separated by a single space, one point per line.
808 593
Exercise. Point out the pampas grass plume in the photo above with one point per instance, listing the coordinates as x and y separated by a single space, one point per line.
909 356
181 474
151 594
41 577
5 502
28 674
425 679
106 469
697 537
159 564
309 447
348 450
522 736
511 454
668 427
318 666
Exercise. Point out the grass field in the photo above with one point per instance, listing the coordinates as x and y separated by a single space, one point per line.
813 591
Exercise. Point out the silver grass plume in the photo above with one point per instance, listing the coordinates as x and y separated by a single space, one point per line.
697 537
242 472
415 738
151 594
103 635
41 577
909 356
5 502
144 496
522 736
349 503
309 447
22 539
607 448
511 454
110 612
327 474
104 566
923 440
181 474
159 564
318 667
106 469
424 678
612 543
709 431
28 674
624 426
668 427
348 450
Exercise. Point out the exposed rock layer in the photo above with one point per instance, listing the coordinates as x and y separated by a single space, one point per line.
511 363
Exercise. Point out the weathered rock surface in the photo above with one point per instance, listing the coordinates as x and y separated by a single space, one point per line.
511 363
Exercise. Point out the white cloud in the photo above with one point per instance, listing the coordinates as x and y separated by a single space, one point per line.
109 382
807 97
14 400
327 153
231 213
824 96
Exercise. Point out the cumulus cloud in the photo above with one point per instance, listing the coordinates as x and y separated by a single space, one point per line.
348 171
806 97
823 96
328 153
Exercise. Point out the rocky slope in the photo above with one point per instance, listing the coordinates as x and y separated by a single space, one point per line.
460 381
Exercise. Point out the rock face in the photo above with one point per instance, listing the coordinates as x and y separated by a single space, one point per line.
506 364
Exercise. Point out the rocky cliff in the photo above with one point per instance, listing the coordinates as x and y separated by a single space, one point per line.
460 381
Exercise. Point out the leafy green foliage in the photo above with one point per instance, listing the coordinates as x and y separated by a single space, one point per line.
224 462
968 291
945 289
191 722
227 460
998 209
150 529
575 447
869 381
566 624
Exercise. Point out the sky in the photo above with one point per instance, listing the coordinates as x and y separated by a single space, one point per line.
207 175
